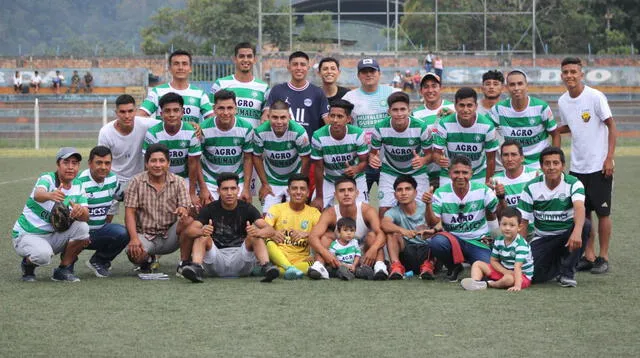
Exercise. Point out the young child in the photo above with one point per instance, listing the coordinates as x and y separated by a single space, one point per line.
511 264
345 249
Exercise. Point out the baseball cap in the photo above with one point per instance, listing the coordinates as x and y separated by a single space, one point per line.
66 152
368 63
430 75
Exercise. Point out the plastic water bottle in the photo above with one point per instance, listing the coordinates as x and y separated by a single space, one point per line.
408 274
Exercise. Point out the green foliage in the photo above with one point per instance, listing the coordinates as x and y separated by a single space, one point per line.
204 24
317 27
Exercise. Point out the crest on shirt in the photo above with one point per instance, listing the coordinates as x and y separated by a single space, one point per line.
562 196
304 224
289 145
192 100
236 141
411 141
532 121
586 116
383 103
308 102
254 94
477 138
350 147
183 144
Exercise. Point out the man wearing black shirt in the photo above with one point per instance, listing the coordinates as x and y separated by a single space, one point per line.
329 71
227 239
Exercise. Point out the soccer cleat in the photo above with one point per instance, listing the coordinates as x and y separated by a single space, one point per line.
317 271
64 274
426 270
584 264
147 265
453 272
292 273
380 271
397 271
364 272
344 274
28 270
470 284
600 266
181 266
270 272
193 273
99 269
567 281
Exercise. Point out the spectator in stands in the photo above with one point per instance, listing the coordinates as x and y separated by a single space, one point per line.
75 83
35 82
56 82
397 79
428 61
407 82
17 83
438 66
88 82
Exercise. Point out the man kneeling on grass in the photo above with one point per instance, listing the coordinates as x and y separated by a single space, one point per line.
227 237
511 263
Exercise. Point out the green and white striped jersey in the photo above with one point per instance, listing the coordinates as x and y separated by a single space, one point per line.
369 108
517 251
35 215
223 151
337 154
530 127
465 218
396 148
196 102
346 254
182 145
431 119
551 211
281 155
250 97
472 142
99 197
513 187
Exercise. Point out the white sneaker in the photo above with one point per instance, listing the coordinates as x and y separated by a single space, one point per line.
470 284
317 271
380 271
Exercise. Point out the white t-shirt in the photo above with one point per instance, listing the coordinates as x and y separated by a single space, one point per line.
17 81
36 79
126 150
585 116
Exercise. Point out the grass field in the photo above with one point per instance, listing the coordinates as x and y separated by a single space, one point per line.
125 317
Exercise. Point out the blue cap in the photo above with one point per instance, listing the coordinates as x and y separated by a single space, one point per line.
368 63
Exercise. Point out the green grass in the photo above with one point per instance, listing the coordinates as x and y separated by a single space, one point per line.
123 316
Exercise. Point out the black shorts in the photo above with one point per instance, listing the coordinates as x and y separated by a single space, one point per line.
597 189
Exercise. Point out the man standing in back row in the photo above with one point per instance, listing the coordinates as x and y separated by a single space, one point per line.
585 112
370 105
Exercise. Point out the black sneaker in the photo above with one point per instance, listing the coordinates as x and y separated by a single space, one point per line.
584 264
364 272
453 272
193 273
28 270
98 268
344 274
64 274
600 265
146 267
181 266
270 272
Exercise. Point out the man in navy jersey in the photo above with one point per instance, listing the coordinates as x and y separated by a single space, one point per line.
307 103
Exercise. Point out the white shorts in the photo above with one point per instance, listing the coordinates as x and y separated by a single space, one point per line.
161 246
386 196
41 248
447 180
271 200
229 262
329 190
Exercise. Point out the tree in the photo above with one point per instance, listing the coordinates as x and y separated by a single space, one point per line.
204 24
317 27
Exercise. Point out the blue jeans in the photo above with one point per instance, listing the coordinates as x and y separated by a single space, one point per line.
441 249
108 242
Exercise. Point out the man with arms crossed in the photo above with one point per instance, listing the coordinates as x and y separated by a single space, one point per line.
586 114
526 119
227 238
227 147
554 202
368 233
293 220
338 149
124 137
281 149
195 101
370 105
35 239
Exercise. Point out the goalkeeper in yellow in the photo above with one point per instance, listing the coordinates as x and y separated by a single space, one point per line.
293 220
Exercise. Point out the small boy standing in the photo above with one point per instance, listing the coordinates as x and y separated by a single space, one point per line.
511 263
